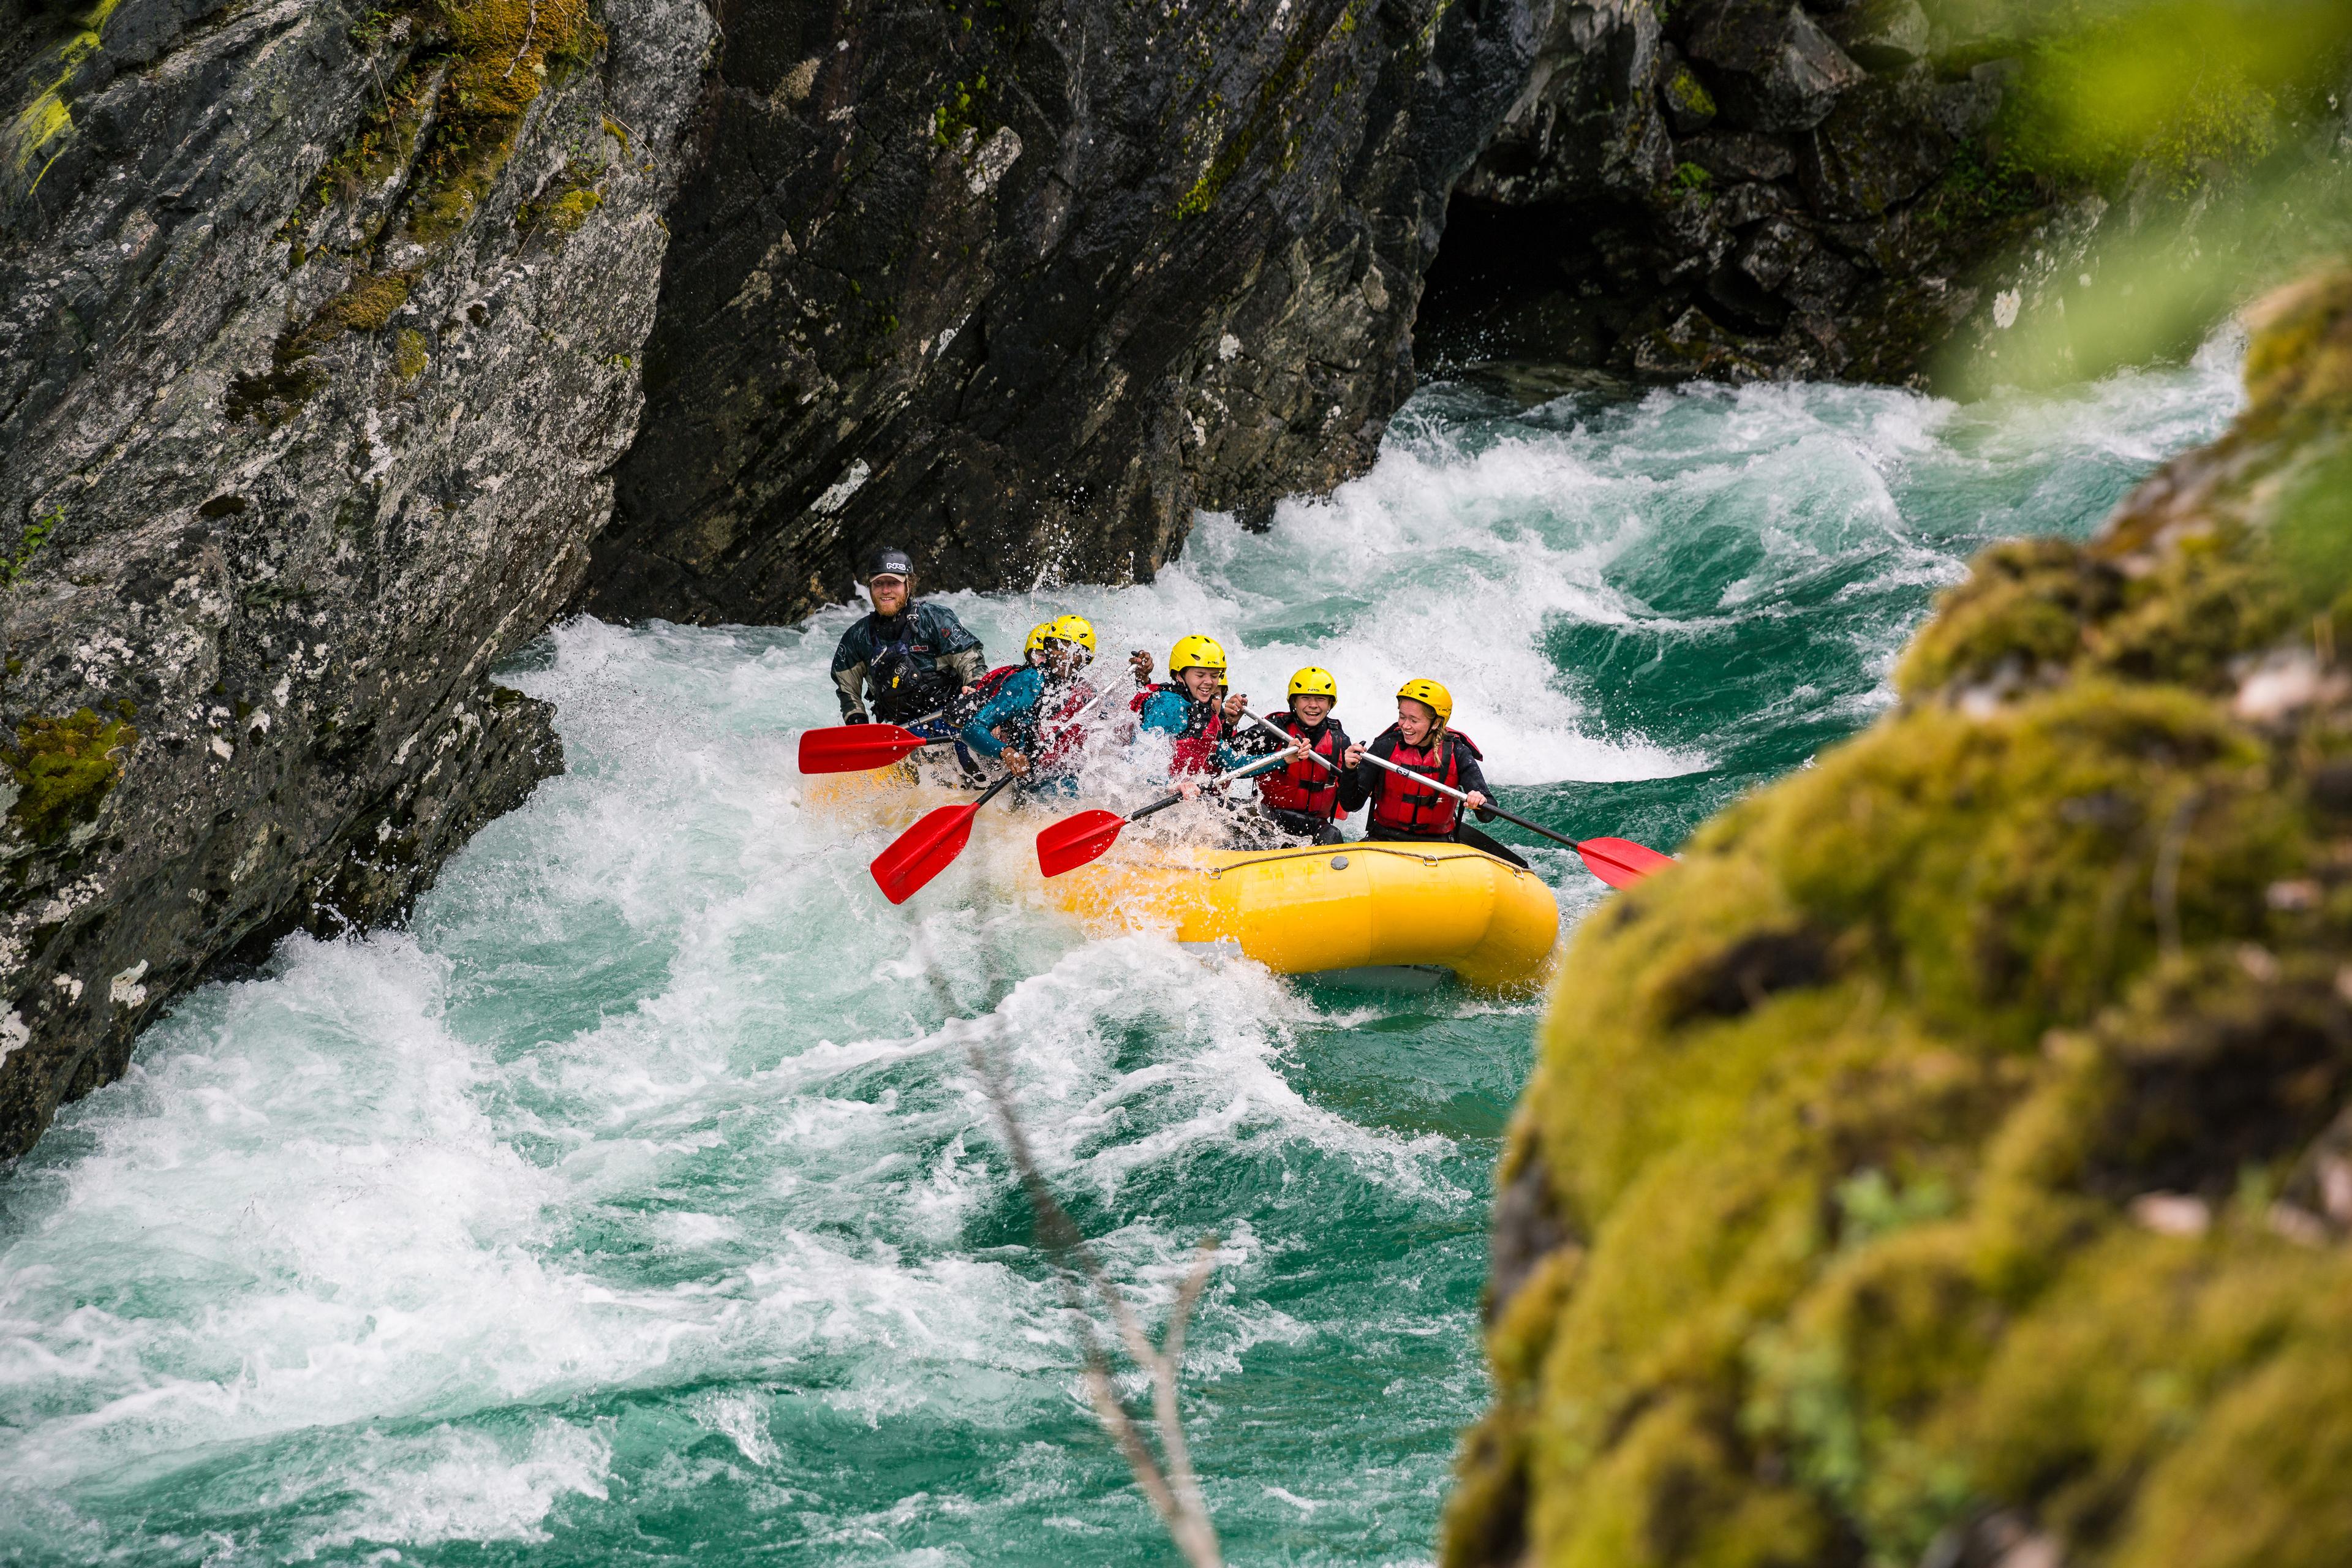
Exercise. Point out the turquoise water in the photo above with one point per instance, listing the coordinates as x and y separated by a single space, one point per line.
636 1203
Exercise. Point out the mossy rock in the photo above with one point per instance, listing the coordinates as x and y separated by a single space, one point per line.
411 354
64 768
1933 1148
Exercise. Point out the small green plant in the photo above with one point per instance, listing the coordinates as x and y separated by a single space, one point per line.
1690 180
28 543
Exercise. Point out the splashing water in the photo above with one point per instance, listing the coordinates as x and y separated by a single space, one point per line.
637 1200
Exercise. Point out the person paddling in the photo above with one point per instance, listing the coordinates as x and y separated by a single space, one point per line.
1421 741
907 659
1191 708
1033 652
1031 724
1303 799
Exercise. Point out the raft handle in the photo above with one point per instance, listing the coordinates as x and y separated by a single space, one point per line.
1358 846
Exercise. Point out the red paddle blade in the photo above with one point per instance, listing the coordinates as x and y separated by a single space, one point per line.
923 851
1075 840
855 748
1621 862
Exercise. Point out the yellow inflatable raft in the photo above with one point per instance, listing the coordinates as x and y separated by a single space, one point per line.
1383 913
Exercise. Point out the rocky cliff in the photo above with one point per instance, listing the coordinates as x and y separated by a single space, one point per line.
1025 285
1950 1162
1749 189
329 329
319 335
334 334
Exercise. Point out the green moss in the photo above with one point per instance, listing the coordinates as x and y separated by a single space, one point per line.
1687 93
505 51
478 67
566 204
64 768
1274 96
410 356
28 543
367 304
40 131
1855 1112
963 110
273 396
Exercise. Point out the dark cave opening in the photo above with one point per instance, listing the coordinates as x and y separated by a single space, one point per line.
1511 284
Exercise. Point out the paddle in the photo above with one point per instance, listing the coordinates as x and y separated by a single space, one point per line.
1620 862
929 847
861 748
1075 840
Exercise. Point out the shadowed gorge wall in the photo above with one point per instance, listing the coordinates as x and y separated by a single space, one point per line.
1871 189
1022 285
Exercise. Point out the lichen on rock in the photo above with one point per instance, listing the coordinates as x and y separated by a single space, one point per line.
63 769
1954 1150
299 215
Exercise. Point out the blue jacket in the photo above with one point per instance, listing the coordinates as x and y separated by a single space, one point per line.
1175 715
1014 707
1019 710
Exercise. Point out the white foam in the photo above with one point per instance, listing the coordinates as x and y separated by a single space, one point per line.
461 1485
656 1096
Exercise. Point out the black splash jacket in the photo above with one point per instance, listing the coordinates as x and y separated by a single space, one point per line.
915 662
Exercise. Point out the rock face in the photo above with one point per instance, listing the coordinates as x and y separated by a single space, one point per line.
1021 287
333 334
1729 188
328 328
318 331
1951 1160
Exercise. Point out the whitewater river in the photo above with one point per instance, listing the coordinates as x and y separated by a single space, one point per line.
637 1204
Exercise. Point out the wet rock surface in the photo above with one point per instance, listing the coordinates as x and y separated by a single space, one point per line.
334 335
1024 287
1949 1159
318 330
1732 188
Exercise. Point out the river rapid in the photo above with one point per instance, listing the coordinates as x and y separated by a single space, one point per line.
636 1203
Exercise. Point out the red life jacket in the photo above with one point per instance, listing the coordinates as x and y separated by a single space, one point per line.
986 686
1060 736
1205 724
1303 786
1423 812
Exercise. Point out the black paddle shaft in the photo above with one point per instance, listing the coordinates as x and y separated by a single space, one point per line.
1420 777
1241 772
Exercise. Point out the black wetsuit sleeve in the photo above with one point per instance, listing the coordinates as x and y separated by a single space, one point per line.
1360 783
849 662
1471 779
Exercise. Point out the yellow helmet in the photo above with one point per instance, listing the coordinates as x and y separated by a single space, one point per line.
1076 630
1431 695
1196 653
1036 639
1315 682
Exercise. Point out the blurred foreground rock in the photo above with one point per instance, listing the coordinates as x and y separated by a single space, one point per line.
1950 1162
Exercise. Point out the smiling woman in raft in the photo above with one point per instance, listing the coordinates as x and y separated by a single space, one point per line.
1422 742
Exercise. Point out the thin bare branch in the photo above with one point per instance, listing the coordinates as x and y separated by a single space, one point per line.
1104 1395
1188 1296
1167 1367
1175 1492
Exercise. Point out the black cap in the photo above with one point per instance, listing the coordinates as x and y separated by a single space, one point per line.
888 563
